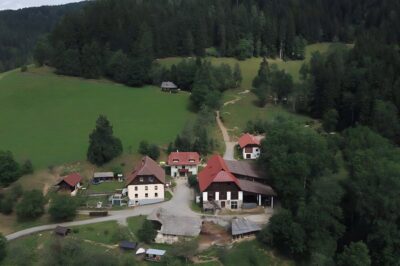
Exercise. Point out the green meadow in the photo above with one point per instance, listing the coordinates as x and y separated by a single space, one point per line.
236 115
47 118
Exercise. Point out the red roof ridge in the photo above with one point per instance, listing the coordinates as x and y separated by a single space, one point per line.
183 158
248 139
72 179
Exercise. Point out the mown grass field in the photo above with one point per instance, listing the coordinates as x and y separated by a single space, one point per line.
48 118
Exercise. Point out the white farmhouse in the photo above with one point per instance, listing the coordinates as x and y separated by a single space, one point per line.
183 163
250 146
146 183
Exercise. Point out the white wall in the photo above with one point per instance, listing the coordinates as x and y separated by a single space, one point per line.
141 192
253 155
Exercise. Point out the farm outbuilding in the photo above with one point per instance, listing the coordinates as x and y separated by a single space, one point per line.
169 86
154 254
126 245
99 177
62 231
242 227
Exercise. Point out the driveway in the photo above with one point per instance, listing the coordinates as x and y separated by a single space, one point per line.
178 205
229 145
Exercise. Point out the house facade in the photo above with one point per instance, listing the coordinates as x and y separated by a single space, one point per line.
221 189
183 163
146 183
250 146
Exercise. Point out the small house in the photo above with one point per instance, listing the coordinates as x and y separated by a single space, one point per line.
243 227
99 177
146 183
126 245
62 231
250 146
155 255
183 163
169 86
70 183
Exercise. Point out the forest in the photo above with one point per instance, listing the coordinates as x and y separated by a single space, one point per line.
20 30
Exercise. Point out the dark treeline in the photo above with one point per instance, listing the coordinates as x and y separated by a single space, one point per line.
361 85
106 32
20 30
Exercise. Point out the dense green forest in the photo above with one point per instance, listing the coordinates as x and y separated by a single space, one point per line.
20 30
84 42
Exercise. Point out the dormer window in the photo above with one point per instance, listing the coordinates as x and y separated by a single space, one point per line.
175 160
141 179
191 160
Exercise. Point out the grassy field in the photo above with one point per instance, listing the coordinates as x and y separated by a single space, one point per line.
47 118
236 115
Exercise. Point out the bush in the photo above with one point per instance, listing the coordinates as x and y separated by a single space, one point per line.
7 204
192 181
63 208
31 206
27 168
122 233
24 68
147 233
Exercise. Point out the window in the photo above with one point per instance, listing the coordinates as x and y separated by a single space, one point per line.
155 187
234 205
146 195
141 179
136 188
136 196
156 195
175 160
146 188
151 179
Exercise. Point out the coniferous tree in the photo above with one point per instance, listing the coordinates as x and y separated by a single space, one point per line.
103 146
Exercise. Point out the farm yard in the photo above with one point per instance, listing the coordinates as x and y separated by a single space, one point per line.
47 118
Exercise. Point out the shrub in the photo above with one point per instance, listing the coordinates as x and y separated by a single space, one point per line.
31 206
147 233
192 181
24 68
27 168
63 208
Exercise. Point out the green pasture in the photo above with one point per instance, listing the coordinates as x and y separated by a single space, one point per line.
48 118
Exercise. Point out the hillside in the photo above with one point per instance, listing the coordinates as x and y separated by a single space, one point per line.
47 118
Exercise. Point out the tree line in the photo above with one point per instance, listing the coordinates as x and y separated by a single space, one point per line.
128 34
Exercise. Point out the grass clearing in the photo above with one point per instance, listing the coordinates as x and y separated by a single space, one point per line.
99 232
136 223
110 187
47 118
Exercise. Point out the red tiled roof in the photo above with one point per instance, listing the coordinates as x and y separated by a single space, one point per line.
147 167
72 179
248 139
215 171
183 158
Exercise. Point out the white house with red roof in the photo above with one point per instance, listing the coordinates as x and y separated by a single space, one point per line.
70 183
183 163
250 146
146 183
220 188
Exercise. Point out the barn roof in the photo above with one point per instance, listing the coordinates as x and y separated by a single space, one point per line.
168 85
176 225
71 179
157 252
183 158
147 167
215 171
248 139
257 188
243 168
243 226
103 174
